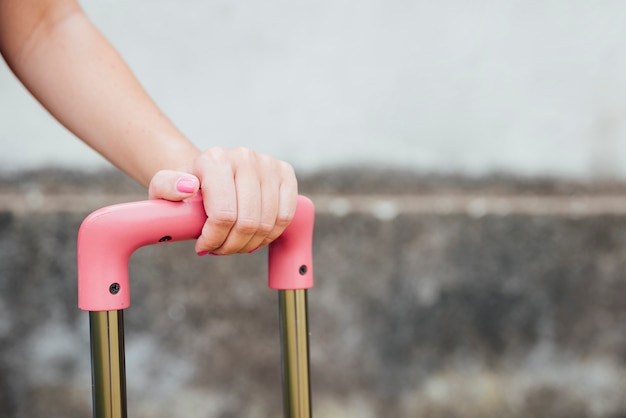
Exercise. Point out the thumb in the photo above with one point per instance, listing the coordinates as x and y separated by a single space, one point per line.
173 185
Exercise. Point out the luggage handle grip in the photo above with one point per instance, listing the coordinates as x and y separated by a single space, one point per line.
108 237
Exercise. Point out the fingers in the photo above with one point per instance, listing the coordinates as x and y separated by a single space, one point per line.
287 203
173 185
220 199
249 198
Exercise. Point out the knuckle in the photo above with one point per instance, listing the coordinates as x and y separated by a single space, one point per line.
278 168
211 155
265 228
286 168
215 152
275 233
223 218
266 159
244 150
282 221
209 240
246 226
201 161
246 154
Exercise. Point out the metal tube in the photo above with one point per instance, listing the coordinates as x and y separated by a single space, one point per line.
294 337
108 369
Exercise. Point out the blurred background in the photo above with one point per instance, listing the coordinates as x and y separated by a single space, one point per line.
523 86
468 166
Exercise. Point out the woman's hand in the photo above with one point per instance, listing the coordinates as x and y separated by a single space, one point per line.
249 198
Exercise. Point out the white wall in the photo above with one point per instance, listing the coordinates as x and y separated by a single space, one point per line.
527 86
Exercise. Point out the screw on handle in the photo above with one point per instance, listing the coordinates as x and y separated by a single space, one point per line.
290 264
108 237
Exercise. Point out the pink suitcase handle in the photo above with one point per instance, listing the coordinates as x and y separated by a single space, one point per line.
108 237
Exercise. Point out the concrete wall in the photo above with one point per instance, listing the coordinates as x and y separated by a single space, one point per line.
434 297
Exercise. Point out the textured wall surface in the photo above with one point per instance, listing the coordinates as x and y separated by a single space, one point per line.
477 298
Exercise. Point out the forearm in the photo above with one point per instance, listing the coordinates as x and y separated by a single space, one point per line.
76 74
79 77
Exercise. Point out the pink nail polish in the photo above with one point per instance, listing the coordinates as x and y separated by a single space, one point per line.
201 253
251 251
186 184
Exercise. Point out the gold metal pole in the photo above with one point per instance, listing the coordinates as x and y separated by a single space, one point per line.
107 364
294 335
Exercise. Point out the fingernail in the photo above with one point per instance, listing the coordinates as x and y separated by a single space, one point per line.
186 184
201 253
251 251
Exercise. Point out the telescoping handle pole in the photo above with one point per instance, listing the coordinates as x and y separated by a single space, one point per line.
291 273
294 336
108 373
106 240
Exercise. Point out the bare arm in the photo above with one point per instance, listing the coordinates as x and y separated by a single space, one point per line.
79 77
